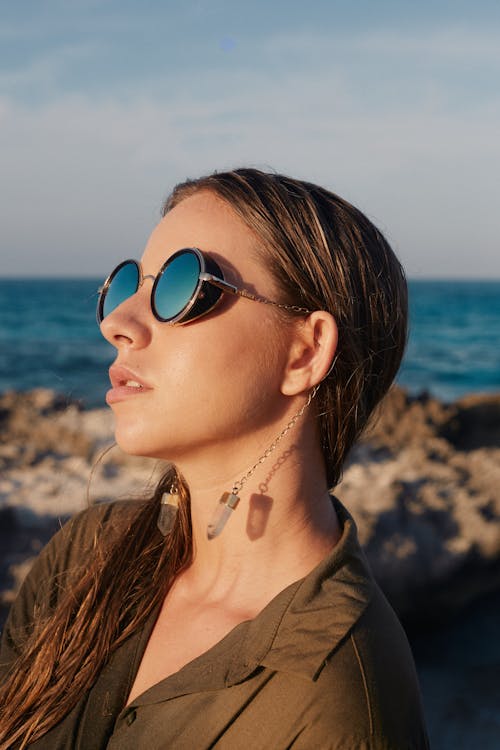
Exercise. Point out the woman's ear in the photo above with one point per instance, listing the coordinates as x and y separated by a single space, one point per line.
311 352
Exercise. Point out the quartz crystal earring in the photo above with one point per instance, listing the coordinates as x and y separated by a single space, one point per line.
169 506
229 500
223 511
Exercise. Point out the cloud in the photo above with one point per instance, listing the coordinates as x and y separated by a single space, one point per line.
452 43
41 73
85 174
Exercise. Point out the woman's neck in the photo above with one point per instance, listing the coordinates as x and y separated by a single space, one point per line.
282 528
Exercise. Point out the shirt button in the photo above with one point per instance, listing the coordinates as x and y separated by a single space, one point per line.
131 717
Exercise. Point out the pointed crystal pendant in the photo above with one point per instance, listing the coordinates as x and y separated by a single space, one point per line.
169 505
223 512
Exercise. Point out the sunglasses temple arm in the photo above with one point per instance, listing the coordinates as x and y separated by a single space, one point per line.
226 287
220 283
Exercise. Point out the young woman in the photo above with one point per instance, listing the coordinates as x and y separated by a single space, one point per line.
234 609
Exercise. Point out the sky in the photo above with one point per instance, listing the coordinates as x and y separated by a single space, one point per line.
105 105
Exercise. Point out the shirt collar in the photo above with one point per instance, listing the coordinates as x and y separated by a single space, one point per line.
296 632
301 627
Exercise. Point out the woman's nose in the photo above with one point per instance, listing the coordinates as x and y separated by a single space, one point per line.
129 324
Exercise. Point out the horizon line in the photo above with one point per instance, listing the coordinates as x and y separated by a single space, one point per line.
100 279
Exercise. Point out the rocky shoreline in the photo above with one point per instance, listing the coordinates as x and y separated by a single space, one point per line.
423 485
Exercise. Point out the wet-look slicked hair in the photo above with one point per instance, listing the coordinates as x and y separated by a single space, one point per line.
324 254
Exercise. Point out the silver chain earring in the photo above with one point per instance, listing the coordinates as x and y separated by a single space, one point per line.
229 500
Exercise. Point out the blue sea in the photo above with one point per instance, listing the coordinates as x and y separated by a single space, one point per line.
49 337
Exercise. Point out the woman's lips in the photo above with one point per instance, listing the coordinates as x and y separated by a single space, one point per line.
125 384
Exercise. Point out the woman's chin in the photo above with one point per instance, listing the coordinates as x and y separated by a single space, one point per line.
134 443
134 450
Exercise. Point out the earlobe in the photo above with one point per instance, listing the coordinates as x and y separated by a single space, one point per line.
311 354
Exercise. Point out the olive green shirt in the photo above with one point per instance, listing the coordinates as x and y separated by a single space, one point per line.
325 665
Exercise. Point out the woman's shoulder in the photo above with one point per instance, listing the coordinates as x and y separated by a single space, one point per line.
66 555
376 662
365 648
79 537
83 531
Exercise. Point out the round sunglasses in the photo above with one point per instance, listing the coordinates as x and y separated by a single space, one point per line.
188 285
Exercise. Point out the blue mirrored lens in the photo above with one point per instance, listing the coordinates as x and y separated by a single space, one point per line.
176 285
123 285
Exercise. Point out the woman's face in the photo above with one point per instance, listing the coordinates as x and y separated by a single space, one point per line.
210 383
